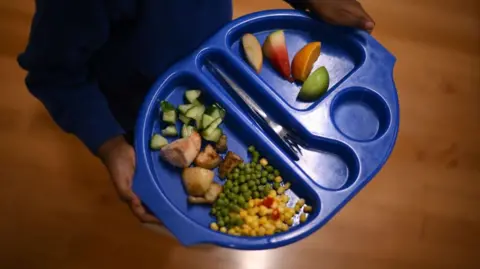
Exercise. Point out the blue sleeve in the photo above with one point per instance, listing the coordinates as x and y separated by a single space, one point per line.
64 36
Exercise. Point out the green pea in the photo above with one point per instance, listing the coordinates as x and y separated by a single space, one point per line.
271 177
257 182
264 173
235 183
276 185
253 188
224 212
228 184
235 175
236 189
258 167
256 194
268 188
236 208
230 176
263 180
213 211
221 195
244 188
269 168
255 160
248 170
251 183
242 180
239 222
220 223
241 200
251 149
261 188
221 202
248 177
241 165
258 175
276 172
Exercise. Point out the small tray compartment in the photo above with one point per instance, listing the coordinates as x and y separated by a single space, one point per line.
341 56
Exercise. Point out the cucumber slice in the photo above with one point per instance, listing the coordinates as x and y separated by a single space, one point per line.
214 136
216 111
192 95
170 116
184 108
198 123
212 127
196 102
195 112
166 106
184 119
171 130
157 142
187 130
207 120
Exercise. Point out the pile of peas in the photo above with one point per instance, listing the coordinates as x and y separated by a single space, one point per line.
245 182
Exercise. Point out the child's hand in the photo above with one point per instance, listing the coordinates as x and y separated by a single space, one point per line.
343 12
119 157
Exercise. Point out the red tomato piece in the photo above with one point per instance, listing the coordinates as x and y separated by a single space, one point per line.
268 202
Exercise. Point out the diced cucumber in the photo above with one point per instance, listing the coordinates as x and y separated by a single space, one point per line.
166 106
157 142
195 112
206 120
187 130
214 136
198 123
184 119
170 116
170 130
192 95
216 111
212 127
184 108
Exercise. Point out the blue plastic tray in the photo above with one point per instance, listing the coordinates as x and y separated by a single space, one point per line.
352 129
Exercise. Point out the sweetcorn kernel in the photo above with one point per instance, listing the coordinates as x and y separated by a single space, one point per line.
263 162
288 215
253 211
243 213
274 205
231 232
251 203
278 224
253 233
278 179
269 231
284 227
261 231
303 218
272 194
262 210
285 198
287 185
223 229
248 220
214 226
300 202
263 221
307 209
289 222
281 190
297 208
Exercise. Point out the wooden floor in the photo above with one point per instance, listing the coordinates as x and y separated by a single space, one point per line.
59 210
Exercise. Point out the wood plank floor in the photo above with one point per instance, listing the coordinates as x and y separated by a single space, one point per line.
59 210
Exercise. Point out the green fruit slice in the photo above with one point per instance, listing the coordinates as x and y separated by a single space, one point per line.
315 85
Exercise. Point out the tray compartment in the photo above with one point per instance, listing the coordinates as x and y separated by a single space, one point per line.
360 114
341 56
240 136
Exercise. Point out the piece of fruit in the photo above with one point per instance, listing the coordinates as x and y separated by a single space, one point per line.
315 85
253 51
275 49
303 61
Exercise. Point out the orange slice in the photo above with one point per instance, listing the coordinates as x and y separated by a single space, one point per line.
303 61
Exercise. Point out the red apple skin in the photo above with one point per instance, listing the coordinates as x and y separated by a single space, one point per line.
275 49
253 51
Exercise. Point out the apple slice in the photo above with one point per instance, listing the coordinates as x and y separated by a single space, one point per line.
253 51
275 49
315 85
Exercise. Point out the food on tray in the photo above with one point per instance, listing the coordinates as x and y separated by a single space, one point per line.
210 196
208 159
157 142
192 96
187 130
253 202
221 145
231 161
170 130
275 49
197 180
315 85
253 51
303 61
182 152
169 112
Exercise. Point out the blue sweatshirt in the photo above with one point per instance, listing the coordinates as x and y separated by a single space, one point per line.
91 62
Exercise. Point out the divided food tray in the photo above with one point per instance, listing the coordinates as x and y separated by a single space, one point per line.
350 131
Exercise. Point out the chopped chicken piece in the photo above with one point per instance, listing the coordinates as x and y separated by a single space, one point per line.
197 180
182 152
222 144
208 159
231 161
210 196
